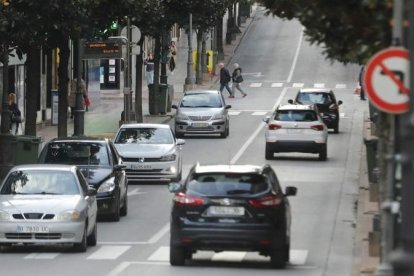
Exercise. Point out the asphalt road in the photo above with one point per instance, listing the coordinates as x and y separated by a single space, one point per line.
276 61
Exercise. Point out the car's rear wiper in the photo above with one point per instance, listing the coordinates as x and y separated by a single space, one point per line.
46 193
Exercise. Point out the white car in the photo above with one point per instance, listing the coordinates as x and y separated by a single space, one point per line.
150 152
296 128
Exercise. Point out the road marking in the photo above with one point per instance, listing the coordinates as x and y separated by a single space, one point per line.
277 84
298 85
136 191
108 252
159 234
342 115
229 256
119 269
234 113
259 113
340 86
256 84
298 257
42 256
162 254
295 59
319 85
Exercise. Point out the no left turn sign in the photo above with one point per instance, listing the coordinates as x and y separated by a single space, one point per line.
386 80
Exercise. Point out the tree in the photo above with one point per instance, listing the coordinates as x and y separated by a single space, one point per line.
350 31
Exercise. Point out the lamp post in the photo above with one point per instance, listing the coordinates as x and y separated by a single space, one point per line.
189 80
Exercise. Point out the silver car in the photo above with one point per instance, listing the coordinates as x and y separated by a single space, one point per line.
47 204
296 128
202 112
150 152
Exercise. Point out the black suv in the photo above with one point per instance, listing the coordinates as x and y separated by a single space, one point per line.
325 100
230 207
101 165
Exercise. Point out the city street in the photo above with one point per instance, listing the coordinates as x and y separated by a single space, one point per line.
277 61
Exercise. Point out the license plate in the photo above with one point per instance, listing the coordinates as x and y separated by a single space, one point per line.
226 211
32 229
294 130
200 124
140 166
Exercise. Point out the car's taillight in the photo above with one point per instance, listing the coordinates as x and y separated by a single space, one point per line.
274 126
317 127
272 201
182 199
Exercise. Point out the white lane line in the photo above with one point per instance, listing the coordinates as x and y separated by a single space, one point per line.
108 252
298 257
277 84
119 269
340 86
136 191
159 234
256 132
319 85
295 59
161 255
256 84
342 115
232 256
298 85
234 113
259 113
122 243
42 256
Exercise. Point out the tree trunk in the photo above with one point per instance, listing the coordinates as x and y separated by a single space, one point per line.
5 121
220 47
63 88
138 83
33 89
199 73
157 57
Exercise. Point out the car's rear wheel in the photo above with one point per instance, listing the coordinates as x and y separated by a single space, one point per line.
124 209
82 246
93 237
323 153
279 254
178 255
268 152
336 129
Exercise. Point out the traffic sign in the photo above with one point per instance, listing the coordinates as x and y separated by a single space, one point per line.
101 49
386 80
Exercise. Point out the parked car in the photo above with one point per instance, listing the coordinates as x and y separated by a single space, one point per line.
230 207
325 100
150 152
100 163
47 204
202 112
296 128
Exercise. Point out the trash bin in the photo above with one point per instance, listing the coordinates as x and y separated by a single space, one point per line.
152 100
170 97
371 146
162 97
26 149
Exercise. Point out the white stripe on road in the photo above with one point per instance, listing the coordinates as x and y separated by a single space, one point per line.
259 113
277 84
298 257
340 86
234 113
108 252
319 85
298 85
256 84
162 254
136 191
43 256
159 234
229 256
119 269
295 59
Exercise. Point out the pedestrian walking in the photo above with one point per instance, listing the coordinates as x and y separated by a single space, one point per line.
361 81
15 114
72 95
149 68
237 79
172 53
225 79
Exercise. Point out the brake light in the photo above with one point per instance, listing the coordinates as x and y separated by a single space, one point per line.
272 201
317 127
274 126
182 199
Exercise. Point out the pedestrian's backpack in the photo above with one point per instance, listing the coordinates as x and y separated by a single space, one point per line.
16 116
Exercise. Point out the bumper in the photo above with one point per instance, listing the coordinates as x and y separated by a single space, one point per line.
106 204
58 232
296 146
210 127
160 171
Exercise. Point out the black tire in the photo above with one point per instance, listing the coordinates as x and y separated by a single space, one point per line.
93 237
117 213
323 153
4 247
278 253
83 245
268 153
336 129
178 255
124 209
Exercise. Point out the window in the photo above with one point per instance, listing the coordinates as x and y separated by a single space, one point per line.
296 116
144 136
201 100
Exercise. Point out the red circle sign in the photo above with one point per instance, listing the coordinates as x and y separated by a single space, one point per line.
386 80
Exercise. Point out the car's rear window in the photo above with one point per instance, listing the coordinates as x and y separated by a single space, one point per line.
296 116
227 184
315 98
77 153
201 100
144 136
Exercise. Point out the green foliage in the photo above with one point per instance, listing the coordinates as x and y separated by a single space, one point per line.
349 31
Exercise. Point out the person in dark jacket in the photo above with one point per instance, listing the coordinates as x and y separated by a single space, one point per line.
15 114
361 81
237 79
225 79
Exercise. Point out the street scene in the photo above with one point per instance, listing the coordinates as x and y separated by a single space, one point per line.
249 149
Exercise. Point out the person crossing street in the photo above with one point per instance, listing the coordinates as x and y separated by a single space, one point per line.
237 79
225 79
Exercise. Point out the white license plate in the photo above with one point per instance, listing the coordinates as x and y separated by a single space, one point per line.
226 211
294 130
32 229
140 166
200 124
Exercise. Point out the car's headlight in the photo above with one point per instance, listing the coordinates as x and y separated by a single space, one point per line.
180 117
218 117
169 157
4 216
70 215
107 186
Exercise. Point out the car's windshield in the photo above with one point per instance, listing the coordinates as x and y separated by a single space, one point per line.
296 115
219 184
144 136
43 182
201 100
77 153
314 98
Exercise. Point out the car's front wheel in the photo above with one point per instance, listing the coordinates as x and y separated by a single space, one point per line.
117 212
83 244
124 209
93 237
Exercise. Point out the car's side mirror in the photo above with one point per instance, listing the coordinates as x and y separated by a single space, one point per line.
175 187
340 102
120 167
291 191
174 106
91 192
228 106
266 119
290 101
180 142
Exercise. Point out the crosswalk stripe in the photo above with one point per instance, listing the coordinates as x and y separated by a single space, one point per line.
259 113
232 256
162 254
108 252
298 85
340 86
43 256
298 257
234 113
256 84
319 85
277 84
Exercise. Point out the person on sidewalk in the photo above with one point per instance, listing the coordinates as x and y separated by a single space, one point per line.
72 95
225 79
172 53
15 114
149 68
237 79
361 81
